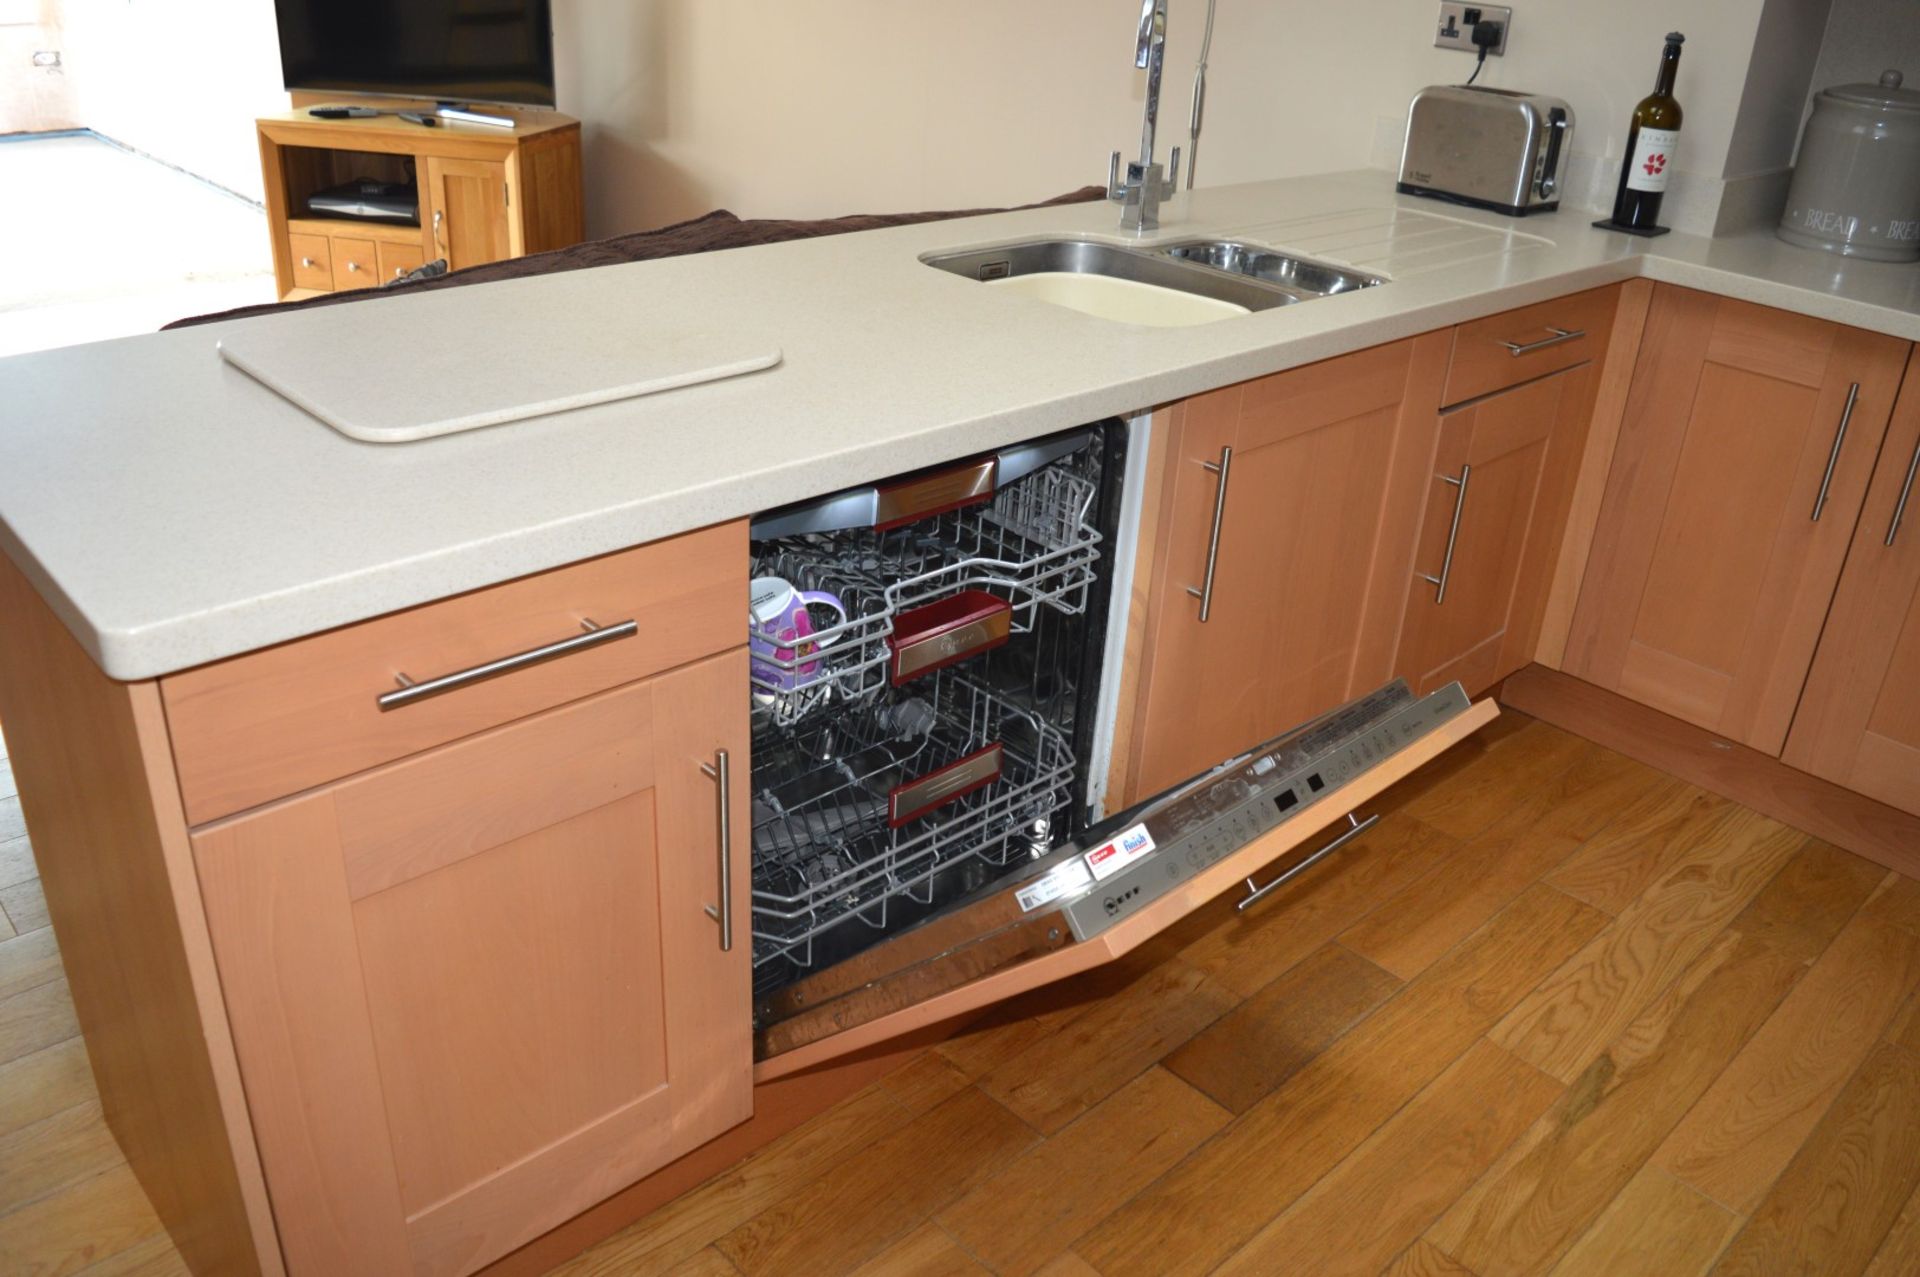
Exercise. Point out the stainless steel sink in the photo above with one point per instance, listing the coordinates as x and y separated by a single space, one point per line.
1089 257
1173 285
1295 274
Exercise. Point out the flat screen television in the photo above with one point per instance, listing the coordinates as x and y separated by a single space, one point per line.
448 50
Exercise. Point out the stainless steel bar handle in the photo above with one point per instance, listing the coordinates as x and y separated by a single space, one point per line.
1906 490
410 692
723 915
1453 533
1355 827
1833 456
1205 592
1559 335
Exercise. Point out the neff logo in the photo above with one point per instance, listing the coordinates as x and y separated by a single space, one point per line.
1419 175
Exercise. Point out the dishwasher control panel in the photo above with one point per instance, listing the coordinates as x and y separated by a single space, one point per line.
1202 823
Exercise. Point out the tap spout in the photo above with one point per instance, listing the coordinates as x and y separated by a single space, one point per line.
1150 54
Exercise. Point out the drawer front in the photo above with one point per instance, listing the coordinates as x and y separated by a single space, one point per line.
1518 345
356 263
312 261
397 259
274 722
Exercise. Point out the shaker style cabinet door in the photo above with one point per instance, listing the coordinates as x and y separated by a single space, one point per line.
1859 721
1278 576
1502 477
1748 439
468 221
477 991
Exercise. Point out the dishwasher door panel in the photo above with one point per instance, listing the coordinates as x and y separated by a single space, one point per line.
1127 880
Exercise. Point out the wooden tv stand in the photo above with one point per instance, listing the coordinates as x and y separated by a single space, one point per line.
486 194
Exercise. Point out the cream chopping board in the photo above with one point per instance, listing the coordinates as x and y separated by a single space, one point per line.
371 384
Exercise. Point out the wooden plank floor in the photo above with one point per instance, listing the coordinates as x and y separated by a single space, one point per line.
1557 1014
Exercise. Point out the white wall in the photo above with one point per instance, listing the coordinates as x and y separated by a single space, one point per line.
1601 57
840 106
179 79
836 106
32 99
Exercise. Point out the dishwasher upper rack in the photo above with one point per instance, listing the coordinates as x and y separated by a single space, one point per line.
824 852
1033 545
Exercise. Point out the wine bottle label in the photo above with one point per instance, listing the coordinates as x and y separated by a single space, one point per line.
1652 159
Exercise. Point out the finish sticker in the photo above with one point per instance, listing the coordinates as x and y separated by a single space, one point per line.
1109 858
1064 881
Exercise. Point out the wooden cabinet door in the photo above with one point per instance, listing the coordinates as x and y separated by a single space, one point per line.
1496 508
1710 574
468 218
1314 540
1859 720
477 991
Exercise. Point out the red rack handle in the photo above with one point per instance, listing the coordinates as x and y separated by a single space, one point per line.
924 495
940 634
909 802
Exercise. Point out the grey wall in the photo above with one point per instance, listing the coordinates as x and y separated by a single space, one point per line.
1785 53
1866 37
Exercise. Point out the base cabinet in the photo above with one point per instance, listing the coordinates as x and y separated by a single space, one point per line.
1742 462
1277 583
475 992
1859 720
1503 474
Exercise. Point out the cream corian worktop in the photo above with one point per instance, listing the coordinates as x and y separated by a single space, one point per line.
174 512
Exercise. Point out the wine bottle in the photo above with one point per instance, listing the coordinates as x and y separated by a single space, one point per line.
1652 140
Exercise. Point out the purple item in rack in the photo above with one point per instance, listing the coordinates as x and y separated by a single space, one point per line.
780 626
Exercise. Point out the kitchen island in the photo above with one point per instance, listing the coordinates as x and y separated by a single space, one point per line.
175 512
229 818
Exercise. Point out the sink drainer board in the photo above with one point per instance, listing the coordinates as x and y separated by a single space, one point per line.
381 384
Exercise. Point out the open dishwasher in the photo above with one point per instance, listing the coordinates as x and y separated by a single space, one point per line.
926 663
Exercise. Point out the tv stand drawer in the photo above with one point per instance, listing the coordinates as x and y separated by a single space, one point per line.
356 263
312 261
396 260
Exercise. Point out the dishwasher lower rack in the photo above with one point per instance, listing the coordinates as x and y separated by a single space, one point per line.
1034 545
868 819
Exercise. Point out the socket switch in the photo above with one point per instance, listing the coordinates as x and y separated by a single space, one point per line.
1457 21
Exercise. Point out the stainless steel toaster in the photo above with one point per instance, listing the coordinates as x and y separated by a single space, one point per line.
1491 148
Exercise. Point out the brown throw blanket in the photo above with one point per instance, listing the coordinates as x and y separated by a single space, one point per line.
718 229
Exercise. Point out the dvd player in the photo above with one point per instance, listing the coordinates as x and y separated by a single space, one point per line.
368 200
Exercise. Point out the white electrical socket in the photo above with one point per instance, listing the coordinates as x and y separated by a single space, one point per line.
1455 29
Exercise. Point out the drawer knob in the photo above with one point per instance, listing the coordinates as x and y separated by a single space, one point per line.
353 265
308 262
399 272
